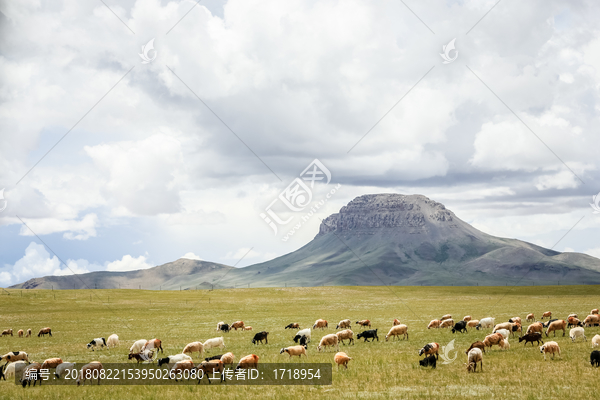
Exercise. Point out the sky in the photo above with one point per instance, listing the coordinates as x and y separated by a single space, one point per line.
134 133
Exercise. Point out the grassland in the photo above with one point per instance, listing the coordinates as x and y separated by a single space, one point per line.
378 370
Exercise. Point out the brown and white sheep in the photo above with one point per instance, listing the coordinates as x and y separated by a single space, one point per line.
397 331
473 323
467 318
396 322
505 325
227 358
445 317
429 349
328 340
294 351
28 333
87 372
194 347
20 333
31 374
591 320
238 325
535 327
551 348
344 324
493 339
478 344
434 323
530 317
447 323
7 332
153 344
346 334
341 358
561 324
178 369
211 367
594 311
364 323
15 356
51 363
474 356
320 323
247 328
137 346
596 341
248 362
45 331
515 320
547 314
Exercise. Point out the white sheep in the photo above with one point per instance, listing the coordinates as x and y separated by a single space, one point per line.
294 351
346 334
578 332
504 332
174 359
551 348
15 368
398 330
328 340
137 346
475 356
63 369
504 345
214 342
596 341
194 347
486 323
112 341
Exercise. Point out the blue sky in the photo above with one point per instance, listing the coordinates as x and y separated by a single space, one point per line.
181 155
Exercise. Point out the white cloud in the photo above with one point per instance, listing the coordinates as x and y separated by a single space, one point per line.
245 252
128 263
191 256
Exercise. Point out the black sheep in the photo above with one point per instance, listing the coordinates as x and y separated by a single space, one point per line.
595 358
460 326
260 336
370 334
428 361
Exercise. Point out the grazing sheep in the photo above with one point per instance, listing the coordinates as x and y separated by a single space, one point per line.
15 369
260 336
7 332
535 327
112 341
430 349
214 342
194 347
486 323
154 344
429 361
179 368
504 332
94 365
504 345
346 334
137 346
63 368
531 337
320 323
96 342
15 356
460 326
561 324
344 324
294 351
144 355
364 323
329 340
247 328
45 331
304 333
530 317
595 358
515 320
31 373
227 358
550 347
547 323
28 333
398 330
248 362
396 322
238 325
547 314
591 320
505 325
219 325
445 317
578 332
370 334
516 328
173 359
473 323
20 333
434 323
211 367
293 325
341 358
476 345
51 363
573 321
467 318
596 341
447 323
493 339
473 357
594 311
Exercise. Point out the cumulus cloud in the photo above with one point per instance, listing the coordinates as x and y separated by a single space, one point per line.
128 263
191 256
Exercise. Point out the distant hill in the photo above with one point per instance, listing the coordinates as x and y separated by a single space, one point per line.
379 239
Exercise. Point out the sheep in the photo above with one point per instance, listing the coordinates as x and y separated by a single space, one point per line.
238 324
493 339
173 359
467 318
145 355
504 345
596 341
153 344
516 328
346 334
63 368
304 333
561 324
364 323
88 371
505 325
341 358
15 356
595 358
473 357
344 324
578 332
15 369
45 331
320 323
473 323
531 337
227 358
460 326
550 347
547 323
51 363
530 317
429 361
293 325
210 367
370 334
445 317
137 346
397 331
547 314
573 315
573 321
96 342
7 332
535 327
294 351
214 342
28 333
395 322
429 349
194 347
591 320
260 336
112 341
515 320
594 311
219 325
179 368
224 328
434 323
486 323
476 345
20 333
328 340
31 373
247 328
504 332
447 323
248 362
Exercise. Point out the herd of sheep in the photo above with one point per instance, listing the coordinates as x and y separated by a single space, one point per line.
18 363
